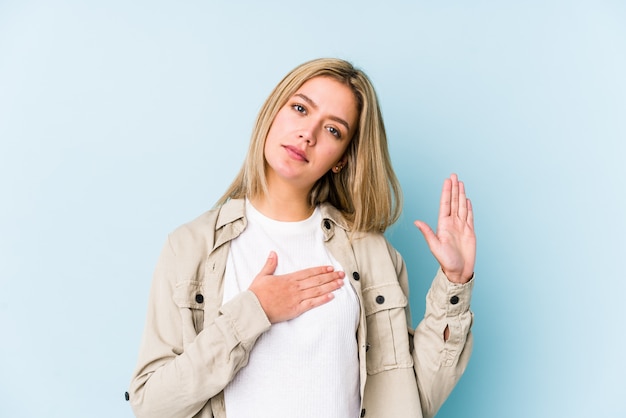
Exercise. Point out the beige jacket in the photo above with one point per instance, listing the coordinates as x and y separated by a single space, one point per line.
193 345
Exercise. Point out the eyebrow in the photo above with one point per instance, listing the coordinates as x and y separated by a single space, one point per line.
314 105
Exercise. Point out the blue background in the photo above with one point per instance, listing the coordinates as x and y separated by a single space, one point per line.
121 120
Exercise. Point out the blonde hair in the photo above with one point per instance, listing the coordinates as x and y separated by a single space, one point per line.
366 191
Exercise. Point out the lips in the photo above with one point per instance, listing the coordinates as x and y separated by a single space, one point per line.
295 153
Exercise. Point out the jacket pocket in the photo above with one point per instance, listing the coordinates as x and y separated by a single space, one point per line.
387 331
189 297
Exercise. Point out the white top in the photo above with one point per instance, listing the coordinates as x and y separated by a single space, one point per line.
305 367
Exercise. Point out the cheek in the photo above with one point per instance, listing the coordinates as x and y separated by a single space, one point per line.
272 137
280 122
342 149
334 154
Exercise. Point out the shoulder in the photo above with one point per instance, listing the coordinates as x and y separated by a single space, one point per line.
201 231
365 244
375 244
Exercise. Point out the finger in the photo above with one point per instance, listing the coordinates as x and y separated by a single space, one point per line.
454 195
462 201
322 289
444 203
270 265
470 214
321 280
308 304
427 232
312 271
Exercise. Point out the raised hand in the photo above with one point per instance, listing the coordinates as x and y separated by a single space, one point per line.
454 244
287 296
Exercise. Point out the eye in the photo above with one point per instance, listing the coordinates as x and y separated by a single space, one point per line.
334 131
299 108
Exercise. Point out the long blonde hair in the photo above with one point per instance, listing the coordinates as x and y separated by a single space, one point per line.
366 191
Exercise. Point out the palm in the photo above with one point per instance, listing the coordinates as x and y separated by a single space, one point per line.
454 244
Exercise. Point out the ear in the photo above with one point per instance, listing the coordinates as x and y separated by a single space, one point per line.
344 160
340 164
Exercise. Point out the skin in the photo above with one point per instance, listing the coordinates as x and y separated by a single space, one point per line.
454 243
309 137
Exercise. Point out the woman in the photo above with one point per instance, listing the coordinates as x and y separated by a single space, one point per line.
286 300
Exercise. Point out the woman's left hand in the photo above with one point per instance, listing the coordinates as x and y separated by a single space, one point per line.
454 244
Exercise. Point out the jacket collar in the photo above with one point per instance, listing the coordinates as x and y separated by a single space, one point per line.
329 212
234 210
230 211
230 223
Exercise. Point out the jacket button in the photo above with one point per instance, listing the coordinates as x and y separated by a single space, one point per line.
326 224
199 298
362 412
454 300
356 276
380 299
126 396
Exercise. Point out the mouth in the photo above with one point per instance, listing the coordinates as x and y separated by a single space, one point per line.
295 153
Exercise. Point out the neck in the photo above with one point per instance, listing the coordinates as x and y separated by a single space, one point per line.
286 208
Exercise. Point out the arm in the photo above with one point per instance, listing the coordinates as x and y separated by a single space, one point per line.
443 342
440 360
178 372
174 379
439 363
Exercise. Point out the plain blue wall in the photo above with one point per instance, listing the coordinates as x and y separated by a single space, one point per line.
121 120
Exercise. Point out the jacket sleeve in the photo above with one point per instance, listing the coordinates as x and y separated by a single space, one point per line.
440 364
175 377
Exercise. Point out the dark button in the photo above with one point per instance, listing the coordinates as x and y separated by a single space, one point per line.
126 396
454 300
362 413
380 299
356 276
326 224
199 298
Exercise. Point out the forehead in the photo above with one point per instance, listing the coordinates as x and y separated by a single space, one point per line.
324 83
331 95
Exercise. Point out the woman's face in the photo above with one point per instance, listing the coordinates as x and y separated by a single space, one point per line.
310 133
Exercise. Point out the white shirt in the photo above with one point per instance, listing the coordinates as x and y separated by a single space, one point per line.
307 366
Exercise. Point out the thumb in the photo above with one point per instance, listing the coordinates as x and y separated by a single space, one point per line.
270 265
429 235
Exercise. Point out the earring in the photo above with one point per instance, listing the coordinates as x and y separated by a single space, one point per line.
337 168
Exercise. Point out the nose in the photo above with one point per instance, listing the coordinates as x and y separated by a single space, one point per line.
307 133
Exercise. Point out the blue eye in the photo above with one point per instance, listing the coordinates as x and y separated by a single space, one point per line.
299 108
334 131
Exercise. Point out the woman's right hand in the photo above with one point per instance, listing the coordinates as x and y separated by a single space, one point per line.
287 296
